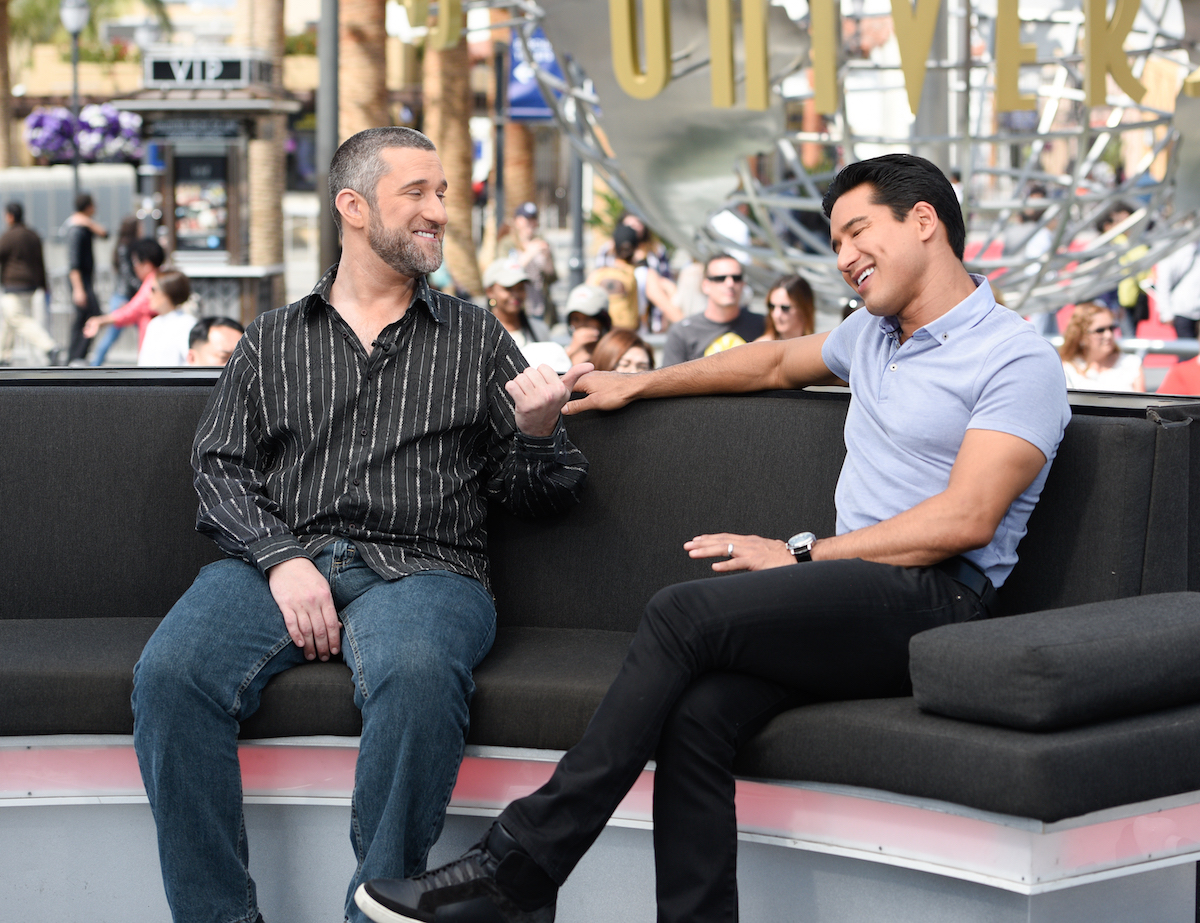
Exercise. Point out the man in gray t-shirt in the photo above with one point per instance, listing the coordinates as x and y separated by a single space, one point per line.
724 323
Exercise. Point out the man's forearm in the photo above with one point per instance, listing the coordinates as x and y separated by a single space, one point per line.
931 531
767 366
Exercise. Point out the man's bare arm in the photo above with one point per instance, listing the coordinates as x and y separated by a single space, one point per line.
754 367
990 471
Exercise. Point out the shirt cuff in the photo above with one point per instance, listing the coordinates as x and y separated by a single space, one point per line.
275 549
539 447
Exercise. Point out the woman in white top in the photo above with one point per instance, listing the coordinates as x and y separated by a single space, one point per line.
1091 359
166 339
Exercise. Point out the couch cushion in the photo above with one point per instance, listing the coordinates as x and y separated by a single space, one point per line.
1065 667
537 688
69 676
892 745
97 497
661 472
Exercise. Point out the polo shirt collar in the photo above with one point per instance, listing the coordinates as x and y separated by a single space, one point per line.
422 295
962 317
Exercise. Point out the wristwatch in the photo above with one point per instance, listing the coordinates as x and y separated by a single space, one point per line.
800 545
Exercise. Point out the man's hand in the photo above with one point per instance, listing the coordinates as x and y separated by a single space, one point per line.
740 552
303 597
79 297
604 390
539 395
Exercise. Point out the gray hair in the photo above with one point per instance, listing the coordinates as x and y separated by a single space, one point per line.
358 166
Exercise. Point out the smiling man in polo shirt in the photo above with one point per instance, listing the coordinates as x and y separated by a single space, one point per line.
957 412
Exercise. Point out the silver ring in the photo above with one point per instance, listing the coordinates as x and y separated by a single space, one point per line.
729 553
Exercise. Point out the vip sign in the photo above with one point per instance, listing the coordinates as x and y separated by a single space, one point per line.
914 24
229 68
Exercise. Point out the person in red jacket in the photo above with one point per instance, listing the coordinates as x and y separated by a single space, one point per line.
148 257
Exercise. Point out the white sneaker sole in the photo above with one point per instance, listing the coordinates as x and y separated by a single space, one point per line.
376 911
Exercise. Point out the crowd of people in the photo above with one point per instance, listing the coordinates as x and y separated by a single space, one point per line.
706 306
703 307
147 294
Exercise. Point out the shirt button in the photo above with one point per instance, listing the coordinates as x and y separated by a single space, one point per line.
945 336
893 368
356 482
364 432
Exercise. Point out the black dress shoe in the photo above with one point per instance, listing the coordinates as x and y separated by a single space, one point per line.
496 881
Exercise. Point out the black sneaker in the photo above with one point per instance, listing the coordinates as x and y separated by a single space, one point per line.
496 881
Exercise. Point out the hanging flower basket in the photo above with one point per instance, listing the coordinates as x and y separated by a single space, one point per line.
105 133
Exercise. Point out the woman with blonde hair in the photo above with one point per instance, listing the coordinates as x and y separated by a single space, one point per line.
1091 359
790 311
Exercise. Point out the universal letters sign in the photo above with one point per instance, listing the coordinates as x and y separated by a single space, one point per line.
644 75
914 24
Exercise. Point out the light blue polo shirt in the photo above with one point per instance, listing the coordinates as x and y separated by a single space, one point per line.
979 366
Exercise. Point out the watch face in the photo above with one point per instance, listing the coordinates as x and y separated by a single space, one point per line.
801 541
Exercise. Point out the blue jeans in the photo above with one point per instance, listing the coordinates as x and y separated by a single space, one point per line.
411 644
111 333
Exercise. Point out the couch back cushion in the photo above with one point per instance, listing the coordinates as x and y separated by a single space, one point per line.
97 497
664 471
660 473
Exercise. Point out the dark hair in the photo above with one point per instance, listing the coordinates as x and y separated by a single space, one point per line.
900 181
1102 223
204 326
800 294
720 256
175 285
148 250
612 346
84 201
125 238
357 165
17 210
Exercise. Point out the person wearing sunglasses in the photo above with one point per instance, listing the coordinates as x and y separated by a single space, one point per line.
1091 358
724 323
790 311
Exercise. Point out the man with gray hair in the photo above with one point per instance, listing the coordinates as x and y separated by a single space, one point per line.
344 465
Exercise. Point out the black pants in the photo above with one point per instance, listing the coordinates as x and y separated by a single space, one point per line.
79 344
1185 327
711 662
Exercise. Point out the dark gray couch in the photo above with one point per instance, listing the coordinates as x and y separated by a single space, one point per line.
96 496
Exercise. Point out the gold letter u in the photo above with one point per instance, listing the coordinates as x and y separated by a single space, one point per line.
639 83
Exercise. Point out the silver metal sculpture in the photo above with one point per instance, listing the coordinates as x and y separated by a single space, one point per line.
681 163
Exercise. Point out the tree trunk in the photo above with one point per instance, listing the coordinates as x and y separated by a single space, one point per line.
447 91
520 178
267 164
6 126
362 67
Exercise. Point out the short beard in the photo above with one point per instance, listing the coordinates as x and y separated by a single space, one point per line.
399 249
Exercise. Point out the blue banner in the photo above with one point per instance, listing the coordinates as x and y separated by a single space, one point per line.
525 100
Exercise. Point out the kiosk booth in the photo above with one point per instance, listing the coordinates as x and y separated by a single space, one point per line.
200 108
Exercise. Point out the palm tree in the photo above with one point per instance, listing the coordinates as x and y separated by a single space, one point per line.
265 154
6 152
447 95
362 67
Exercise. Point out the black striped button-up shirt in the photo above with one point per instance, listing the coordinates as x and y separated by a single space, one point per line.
308 438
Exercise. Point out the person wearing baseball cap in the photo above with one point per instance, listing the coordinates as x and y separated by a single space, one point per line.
587 320
506 285
524 247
